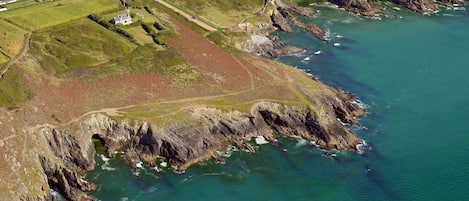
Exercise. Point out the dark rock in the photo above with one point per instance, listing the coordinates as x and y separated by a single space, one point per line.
421 6
66 181
285 50
362 7
280 21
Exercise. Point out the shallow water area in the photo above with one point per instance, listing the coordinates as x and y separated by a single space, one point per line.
410 70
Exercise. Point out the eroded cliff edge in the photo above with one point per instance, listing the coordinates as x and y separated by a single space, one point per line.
71 150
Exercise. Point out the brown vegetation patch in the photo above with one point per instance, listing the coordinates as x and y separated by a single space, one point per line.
221 67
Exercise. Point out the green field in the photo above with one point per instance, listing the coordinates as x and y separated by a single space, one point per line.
53 13
11 38
86 49
21 4
81 44
223 13
3 60
12 89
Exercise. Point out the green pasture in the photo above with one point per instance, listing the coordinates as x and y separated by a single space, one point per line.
11 38
48 14
13 89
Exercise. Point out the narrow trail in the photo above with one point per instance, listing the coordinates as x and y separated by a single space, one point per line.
118 111
187 16
23 51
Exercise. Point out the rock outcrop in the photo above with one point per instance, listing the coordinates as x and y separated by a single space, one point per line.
281 15
421 6
207 130
362 7
285 50
276 15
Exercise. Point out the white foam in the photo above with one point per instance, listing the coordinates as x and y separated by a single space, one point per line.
360 146
301 142
54 193
163 164
104 158
156 169
348 20
139 164
261 140
137 173
314 143
225 154
106 166
360 104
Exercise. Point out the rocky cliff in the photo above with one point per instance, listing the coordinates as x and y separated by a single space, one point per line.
207 130
362 7
276 15
422 6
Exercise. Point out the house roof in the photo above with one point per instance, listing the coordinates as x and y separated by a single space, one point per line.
120 17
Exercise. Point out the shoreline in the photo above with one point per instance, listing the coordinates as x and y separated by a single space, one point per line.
318 114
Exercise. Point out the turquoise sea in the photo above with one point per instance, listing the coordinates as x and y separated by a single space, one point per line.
412 72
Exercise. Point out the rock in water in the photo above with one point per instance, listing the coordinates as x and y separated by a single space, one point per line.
362 7
261 140
421 6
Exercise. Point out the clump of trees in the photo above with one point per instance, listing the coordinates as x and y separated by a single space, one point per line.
158 37
108 25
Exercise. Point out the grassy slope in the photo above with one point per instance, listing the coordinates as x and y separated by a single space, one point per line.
224 13
85 49
12 89
84 43
12 38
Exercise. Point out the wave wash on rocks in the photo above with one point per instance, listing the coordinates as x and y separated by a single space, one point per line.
208 130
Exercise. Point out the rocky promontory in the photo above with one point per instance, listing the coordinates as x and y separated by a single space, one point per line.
70 151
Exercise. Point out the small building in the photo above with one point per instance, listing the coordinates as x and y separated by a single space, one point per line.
7 2
124 19
3 9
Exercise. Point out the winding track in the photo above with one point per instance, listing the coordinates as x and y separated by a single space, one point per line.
25 49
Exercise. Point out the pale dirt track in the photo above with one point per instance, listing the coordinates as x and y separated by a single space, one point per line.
187 16
19 56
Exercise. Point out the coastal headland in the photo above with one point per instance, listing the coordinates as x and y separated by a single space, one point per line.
178 83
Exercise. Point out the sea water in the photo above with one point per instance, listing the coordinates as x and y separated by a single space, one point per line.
411 71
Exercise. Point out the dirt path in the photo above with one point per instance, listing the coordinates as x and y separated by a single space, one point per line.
24 49
187 16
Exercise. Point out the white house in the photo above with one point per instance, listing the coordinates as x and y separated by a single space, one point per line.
124 19
7 2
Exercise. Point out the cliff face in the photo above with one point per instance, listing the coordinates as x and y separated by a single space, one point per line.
362 7
421 6
276 15
207 130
